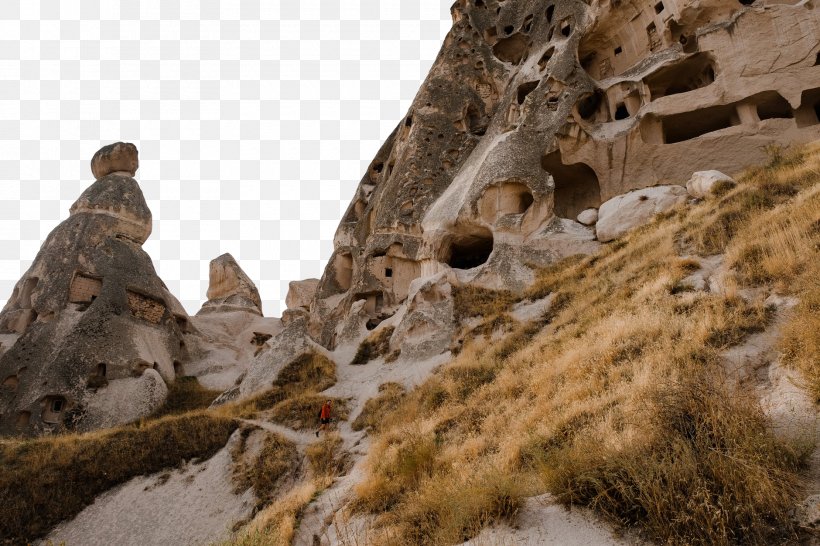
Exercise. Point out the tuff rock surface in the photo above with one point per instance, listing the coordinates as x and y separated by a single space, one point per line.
88 316
119 157
538 110
230 288
535 114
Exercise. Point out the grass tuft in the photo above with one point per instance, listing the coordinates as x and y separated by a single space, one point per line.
374 346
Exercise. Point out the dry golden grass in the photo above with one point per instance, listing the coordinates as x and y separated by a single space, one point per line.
619 388
47 480
277 459
473 301
310 372
302 412
375 345
374 410
276 525
326 457
185 394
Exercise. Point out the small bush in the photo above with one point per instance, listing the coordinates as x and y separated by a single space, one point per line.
454 508
308 372
325 457
302 412
48 480
473 301
185 394
375 409
277 458
801 337
709 471
375 345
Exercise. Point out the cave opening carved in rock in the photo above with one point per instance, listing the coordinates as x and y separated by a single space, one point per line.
503 199
576 186
513 49
693 72
470 249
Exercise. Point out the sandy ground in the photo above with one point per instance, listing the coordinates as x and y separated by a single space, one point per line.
194 505
542 522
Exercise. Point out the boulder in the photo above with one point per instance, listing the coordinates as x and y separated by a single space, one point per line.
301 293
230 288
702 182
118 157
636 208
588 217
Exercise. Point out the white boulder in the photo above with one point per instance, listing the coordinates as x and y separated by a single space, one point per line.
636 208
588 217
702 182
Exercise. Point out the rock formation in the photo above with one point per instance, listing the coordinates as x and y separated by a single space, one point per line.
538 110
230 288
544 128
92 332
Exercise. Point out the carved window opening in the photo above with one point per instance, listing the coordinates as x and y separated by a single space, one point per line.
618 50
545 58
144 307
576 186
566 29
621 111
53 408
525 89
11 382
388 272
23 419
689 125
809 112
773 106
512 50
654 38
470 250
659 7
691 73
84 288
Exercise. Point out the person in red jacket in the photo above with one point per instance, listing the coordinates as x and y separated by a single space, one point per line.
324 417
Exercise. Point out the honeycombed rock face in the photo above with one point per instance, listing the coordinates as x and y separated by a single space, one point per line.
537 110
91 334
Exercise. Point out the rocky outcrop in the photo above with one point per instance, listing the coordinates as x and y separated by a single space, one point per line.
230 288
120 157
536 112
301 293
89 317
624 212
703 182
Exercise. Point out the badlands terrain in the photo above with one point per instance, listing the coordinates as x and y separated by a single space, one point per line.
575 300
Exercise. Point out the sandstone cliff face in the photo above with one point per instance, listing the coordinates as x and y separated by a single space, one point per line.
92 333
537 110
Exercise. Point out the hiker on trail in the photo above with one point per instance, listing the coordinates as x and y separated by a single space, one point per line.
324 417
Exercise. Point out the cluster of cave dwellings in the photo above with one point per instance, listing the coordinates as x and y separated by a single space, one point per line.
671 71
632 94
84 290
